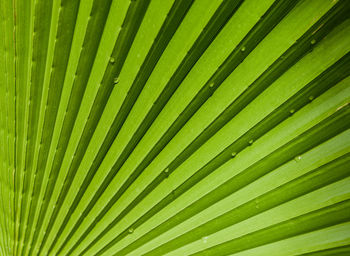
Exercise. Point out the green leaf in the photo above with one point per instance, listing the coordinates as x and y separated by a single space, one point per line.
174 127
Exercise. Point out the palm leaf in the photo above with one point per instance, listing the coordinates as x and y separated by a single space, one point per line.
175 127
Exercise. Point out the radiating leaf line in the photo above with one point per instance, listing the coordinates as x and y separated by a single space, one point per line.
303 47
137 9
174 127
323 82
322 218
322 176
309 139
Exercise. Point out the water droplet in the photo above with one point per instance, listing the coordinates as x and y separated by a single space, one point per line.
257 206
166 172
243 49
131 230
116 80
233 154
292 111
251 142
297 158
311 97
112 60
205 239
313 41
211 85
